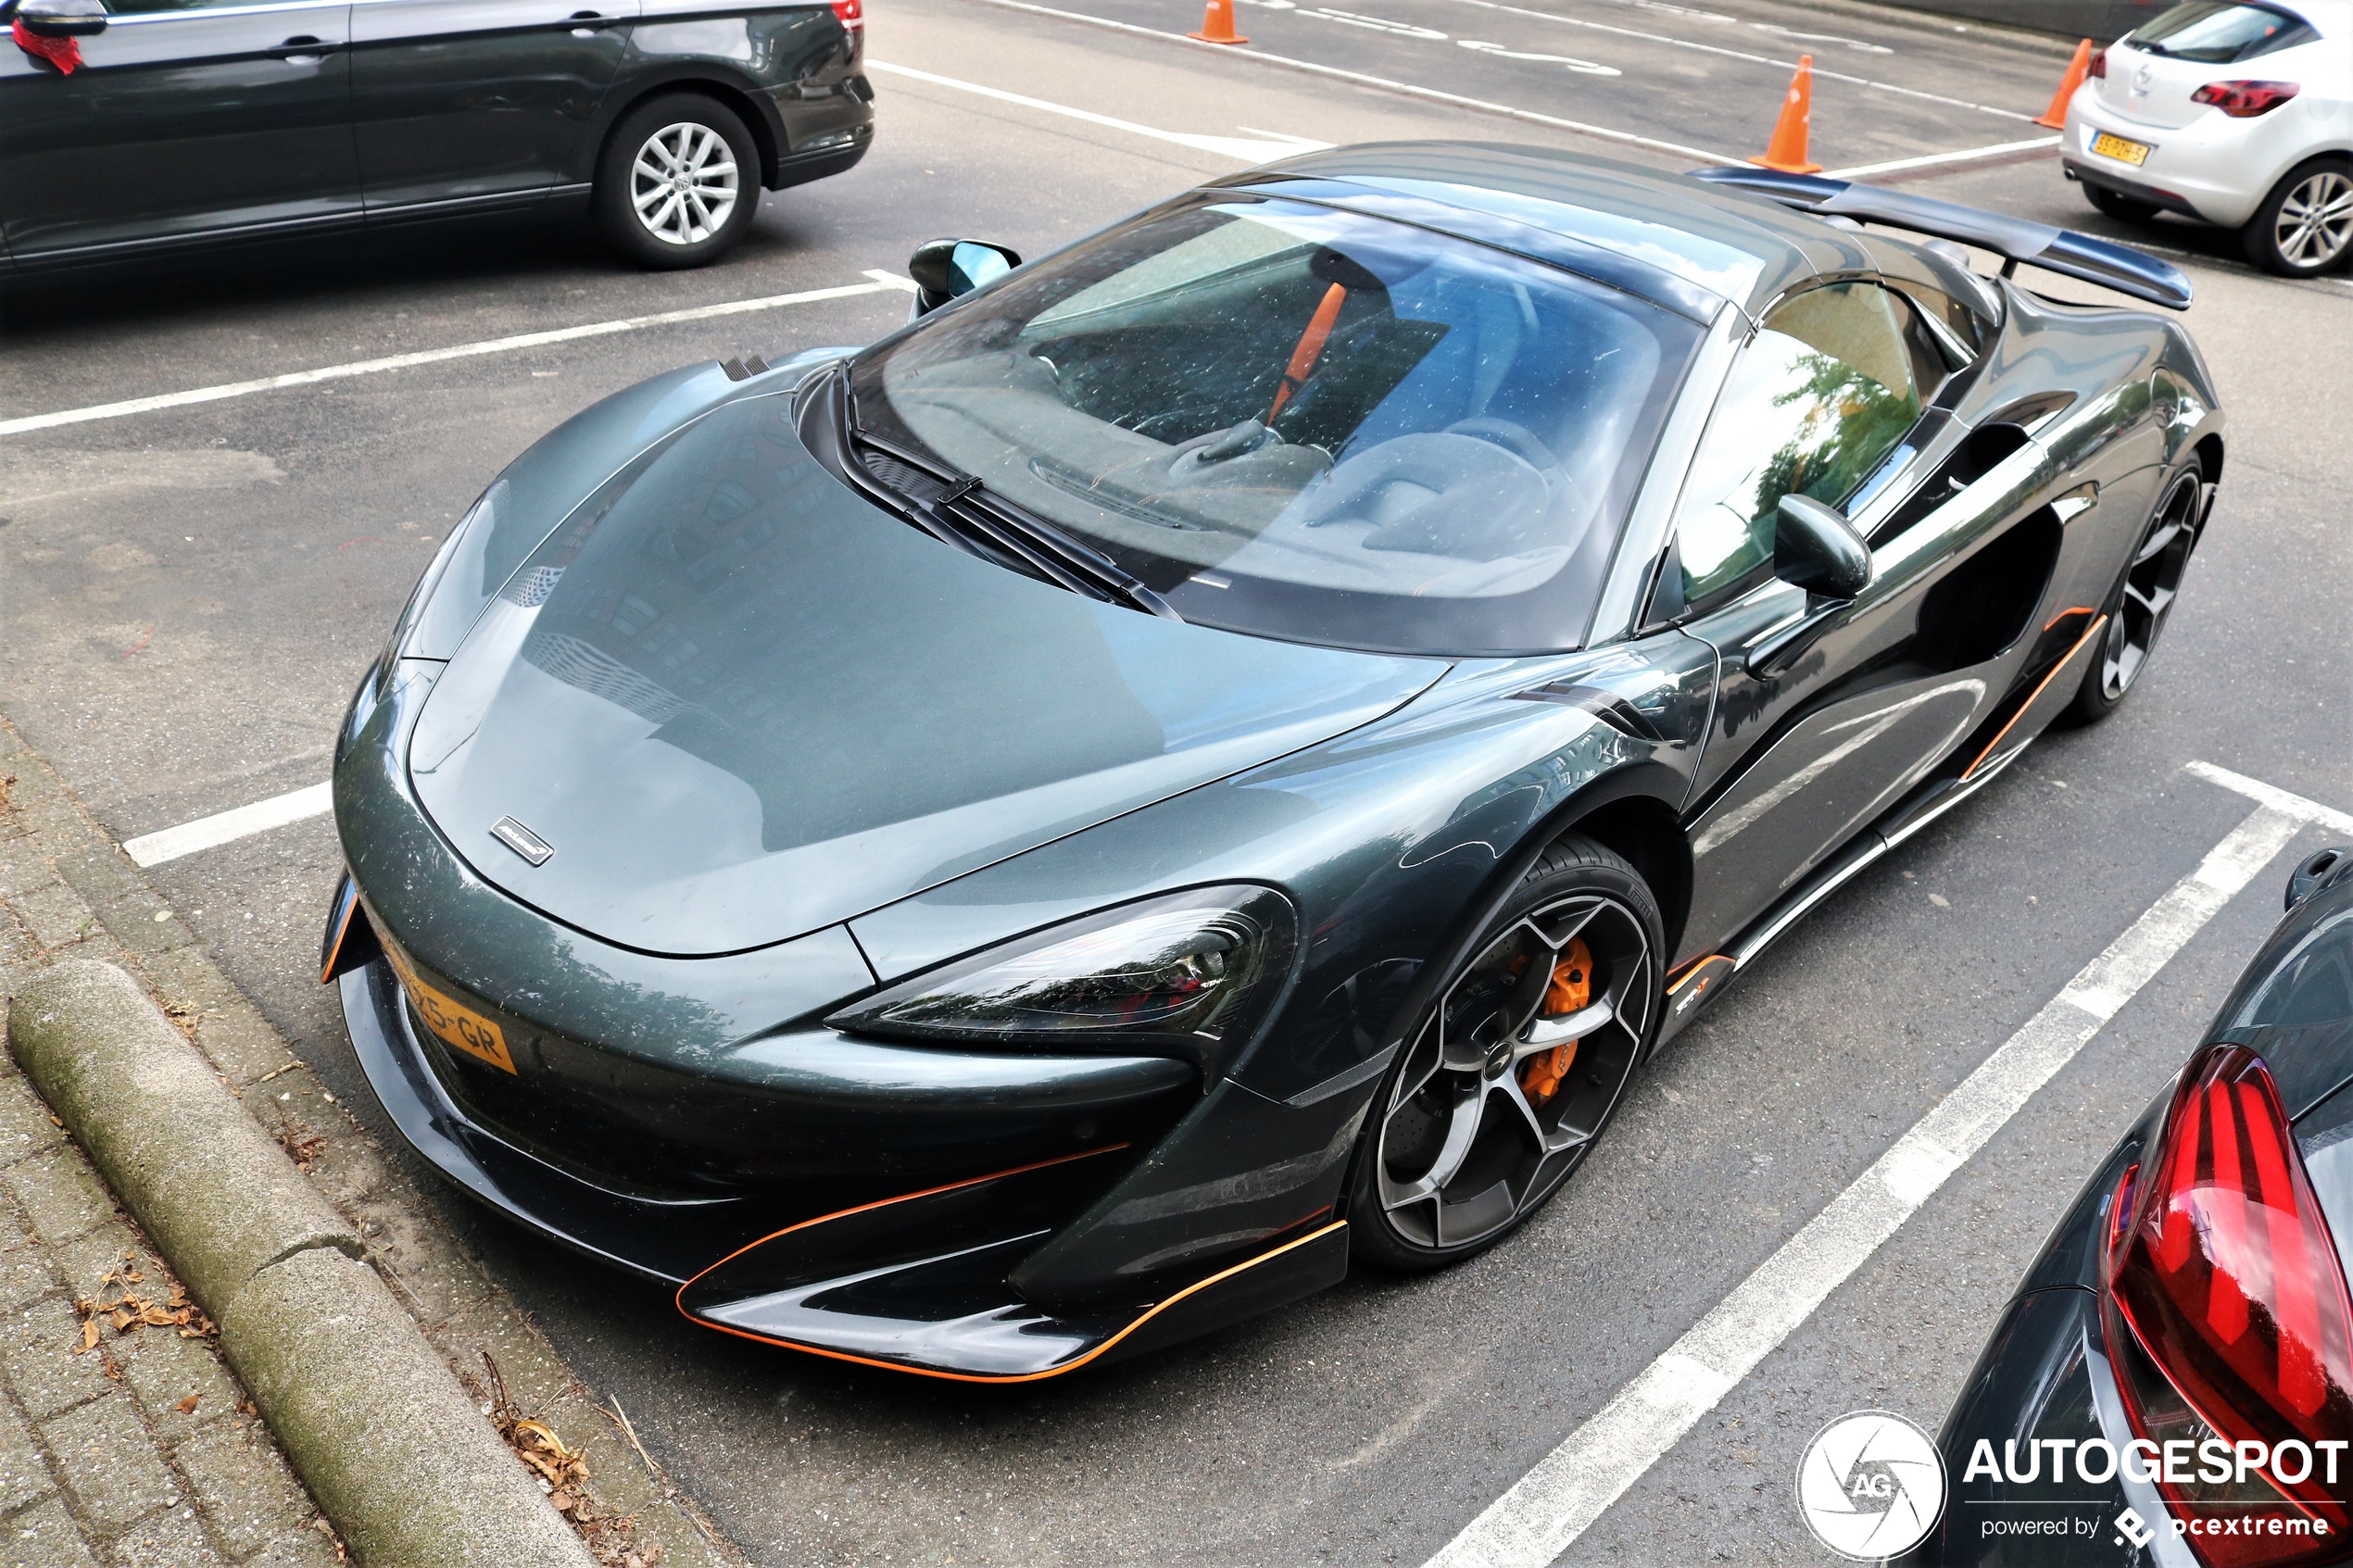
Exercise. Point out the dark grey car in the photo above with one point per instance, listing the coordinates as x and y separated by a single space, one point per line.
147 125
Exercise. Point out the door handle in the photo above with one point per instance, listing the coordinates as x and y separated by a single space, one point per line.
584 24
302 49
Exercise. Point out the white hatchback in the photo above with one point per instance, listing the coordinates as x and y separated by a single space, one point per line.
2238 112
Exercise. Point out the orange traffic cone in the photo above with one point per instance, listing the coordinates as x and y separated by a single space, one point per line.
1217 26
1786 151
2077 68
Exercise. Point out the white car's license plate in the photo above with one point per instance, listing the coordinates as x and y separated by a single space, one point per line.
2109 145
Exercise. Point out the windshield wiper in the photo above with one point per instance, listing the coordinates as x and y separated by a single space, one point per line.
958 510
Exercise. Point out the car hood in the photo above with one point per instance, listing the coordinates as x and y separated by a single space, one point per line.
739 703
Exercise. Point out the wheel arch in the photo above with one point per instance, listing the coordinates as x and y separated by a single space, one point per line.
1630 808
754 108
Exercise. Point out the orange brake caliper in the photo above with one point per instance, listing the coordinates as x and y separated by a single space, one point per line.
1571 989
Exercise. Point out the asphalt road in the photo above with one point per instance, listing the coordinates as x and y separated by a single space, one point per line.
189 595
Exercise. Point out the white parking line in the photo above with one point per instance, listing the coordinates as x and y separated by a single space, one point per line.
1819 72
207 832
1966 155
1568 1489
1266 147
1432 94
427 357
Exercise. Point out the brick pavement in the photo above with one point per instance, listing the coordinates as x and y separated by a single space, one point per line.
102 1469
142 1450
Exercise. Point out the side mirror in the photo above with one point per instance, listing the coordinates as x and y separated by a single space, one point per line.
1817 549
63 18
945 268
2312 872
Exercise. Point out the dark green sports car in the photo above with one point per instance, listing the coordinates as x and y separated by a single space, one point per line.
1223 749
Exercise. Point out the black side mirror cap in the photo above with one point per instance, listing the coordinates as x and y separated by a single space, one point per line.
62 19
945 268
2316 869
1817 549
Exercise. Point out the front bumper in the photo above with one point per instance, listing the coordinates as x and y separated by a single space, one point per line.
913 1282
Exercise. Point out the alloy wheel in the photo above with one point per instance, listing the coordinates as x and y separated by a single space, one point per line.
682 183
1516 1071
2315 222
2152 581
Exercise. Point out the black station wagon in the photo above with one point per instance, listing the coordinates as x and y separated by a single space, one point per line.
133 125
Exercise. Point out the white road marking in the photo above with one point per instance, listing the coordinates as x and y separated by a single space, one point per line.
426 356
1743 55
1432 94
226 827
1266 149
2276 798
1555 1502
1965 155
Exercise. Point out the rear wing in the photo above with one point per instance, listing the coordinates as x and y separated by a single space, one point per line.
2014 239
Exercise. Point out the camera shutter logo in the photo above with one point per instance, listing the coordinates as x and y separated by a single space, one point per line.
1871 1485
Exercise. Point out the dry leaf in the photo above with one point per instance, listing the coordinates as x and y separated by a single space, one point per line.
188 1405
245 1407
122 1319
88 1335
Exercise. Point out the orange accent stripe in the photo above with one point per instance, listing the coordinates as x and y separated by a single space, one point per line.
1311 346
1149 1312
1694 968
2077 609
886 1202
2089 633
343 929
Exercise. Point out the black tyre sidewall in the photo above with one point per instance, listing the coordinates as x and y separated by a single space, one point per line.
2092 702
610 201
1570 864
2259 237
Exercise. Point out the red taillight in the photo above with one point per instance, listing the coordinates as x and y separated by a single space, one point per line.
2099 65
851 14
2244 100
2227 1316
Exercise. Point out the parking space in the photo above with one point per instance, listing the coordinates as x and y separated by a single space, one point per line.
190 591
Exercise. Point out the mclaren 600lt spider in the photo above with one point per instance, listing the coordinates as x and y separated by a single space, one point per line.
1224 748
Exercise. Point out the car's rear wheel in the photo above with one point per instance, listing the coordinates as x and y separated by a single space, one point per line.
1518 1066
2141 600
678 181
2305 226
2117 205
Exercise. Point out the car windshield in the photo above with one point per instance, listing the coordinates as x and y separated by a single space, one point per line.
1305 422
2220 32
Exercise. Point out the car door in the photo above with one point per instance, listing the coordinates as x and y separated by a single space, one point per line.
482 101
185 120
1827 712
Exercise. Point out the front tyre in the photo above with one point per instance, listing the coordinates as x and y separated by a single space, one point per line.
2305 226
2141 600
677 182
1517 1067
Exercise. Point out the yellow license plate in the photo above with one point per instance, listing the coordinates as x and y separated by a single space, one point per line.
454 1021
2117 147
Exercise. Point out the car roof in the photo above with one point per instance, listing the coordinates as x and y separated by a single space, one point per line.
1622 222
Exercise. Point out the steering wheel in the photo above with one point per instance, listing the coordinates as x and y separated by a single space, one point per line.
1519 440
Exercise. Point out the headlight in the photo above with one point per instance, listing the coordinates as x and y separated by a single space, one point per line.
1191 974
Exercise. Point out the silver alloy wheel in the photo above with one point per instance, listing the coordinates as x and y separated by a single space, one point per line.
682 183
1467 1144
2315 222
2152 581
